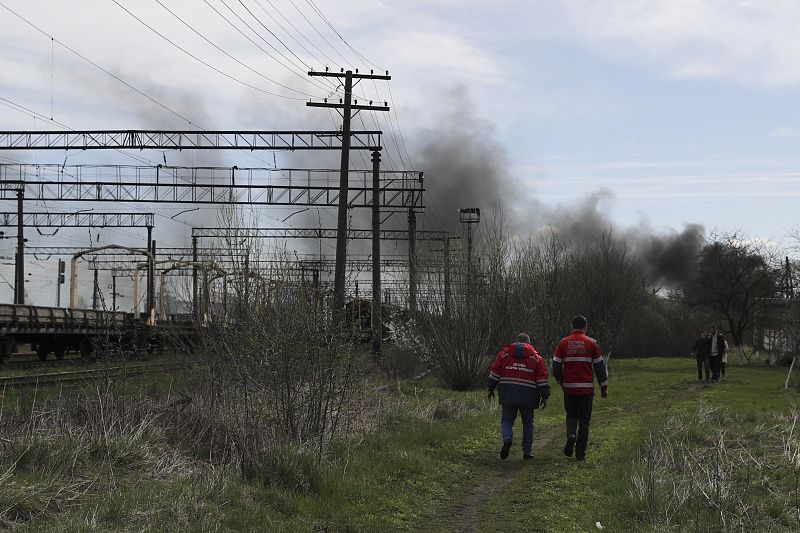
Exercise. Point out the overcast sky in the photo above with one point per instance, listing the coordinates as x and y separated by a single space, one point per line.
667 112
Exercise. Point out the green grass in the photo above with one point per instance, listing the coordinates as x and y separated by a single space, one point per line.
570 496
435 453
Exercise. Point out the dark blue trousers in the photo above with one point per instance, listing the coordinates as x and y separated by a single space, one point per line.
507 425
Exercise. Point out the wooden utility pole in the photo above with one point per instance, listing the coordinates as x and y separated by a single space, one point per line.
346 106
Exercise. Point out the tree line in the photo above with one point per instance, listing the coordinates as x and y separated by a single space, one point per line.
746 287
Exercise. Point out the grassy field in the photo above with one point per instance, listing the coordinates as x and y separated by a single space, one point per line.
666 454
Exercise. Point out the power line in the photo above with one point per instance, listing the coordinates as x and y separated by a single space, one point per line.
265 51
322 16
117 78
318 32
201 61
295 28
400 131
215 45
105 71
326 21
273 34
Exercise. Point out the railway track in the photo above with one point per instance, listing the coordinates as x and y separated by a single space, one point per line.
72 376
50 363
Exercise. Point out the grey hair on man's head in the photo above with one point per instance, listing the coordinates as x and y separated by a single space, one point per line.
524 337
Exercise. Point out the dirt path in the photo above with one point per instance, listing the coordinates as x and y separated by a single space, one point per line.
465 516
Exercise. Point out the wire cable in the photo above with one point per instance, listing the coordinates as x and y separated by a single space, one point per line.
265 51
290 34
328 23
225 52
104 70
201 61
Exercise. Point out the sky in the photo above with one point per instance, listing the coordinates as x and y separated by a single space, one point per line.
655 114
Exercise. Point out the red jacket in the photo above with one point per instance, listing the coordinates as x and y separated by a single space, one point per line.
577 361
522 375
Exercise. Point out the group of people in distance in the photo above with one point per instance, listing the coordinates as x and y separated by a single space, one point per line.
711 352
521 375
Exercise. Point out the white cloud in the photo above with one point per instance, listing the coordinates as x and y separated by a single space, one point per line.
753 43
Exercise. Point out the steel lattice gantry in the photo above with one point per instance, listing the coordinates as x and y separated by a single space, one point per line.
79 220
162 253
187 140
398 190
361 264
312 233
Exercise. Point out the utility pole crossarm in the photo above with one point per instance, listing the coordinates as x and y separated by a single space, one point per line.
354 106
355 75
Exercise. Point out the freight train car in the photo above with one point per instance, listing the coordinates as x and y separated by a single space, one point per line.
57 330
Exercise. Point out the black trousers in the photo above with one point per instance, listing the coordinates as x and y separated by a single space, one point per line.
716 367
703 364
579 416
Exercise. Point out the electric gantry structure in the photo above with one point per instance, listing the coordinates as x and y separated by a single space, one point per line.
383 191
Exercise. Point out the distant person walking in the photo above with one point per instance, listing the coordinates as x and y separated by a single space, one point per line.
717 353
702 351
577 361
522 375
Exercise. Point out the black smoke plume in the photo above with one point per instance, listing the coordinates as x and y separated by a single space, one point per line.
466 166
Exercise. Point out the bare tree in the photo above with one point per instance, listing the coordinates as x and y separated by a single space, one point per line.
735 279
610 289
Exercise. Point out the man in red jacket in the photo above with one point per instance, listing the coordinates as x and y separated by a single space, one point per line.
577 361
522 375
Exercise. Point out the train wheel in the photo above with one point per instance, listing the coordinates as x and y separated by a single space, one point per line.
6 349
86 349
42 350
60 352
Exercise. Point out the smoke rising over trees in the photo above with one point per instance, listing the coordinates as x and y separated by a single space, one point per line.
466 165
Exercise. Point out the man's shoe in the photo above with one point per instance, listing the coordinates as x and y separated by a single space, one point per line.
505 449
580 457
569 446
527 456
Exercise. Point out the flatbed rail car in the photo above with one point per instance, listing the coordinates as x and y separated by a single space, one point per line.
58 330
